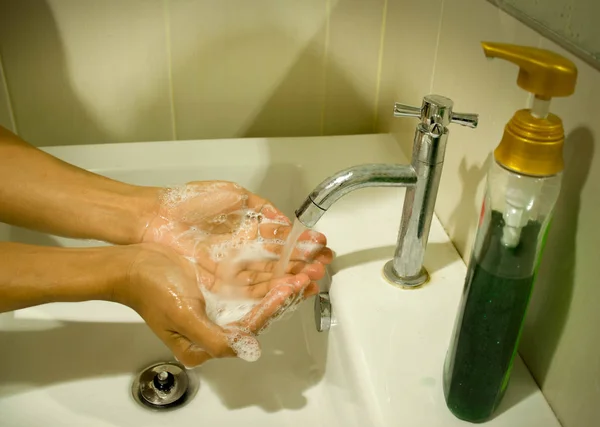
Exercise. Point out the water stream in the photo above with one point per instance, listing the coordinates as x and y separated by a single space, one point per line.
297 229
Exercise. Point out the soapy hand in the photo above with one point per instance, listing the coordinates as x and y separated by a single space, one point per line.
228 241
234 236
162 287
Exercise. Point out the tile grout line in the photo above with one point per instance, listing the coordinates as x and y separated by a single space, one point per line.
325 58
437 46
167 19
380 64
11 113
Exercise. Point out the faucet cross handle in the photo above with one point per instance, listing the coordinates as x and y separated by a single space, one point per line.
436 110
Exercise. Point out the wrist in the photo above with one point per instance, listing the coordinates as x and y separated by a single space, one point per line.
134 207
145 203
122 260
136 267
143 267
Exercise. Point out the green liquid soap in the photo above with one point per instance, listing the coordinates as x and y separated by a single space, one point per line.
497 290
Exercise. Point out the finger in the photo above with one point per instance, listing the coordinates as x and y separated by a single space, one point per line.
324 256
201 331
311 290
248 229
185 351
302 251
269 266
274 230
255 202
307 246
260 290
282 232
313 236
257 290
274 214
267 209
310 243
252 277
278 297
195 243
224 223
217 342
292 303
245 346
236 261
315 270
224 342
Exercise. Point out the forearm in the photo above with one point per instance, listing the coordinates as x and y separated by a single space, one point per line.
33 275
41 192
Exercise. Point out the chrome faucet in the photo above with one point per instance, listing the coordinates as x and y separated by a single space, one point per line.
421 179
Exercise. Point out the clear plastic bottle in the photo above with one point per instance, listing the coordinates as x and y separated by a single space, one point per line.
514 220
522 188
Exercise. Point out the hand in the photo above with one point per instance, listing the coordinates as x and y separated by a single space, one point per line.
162 286
234 236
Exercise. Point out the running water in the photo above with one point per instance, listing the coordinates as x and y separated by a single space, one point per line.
290 244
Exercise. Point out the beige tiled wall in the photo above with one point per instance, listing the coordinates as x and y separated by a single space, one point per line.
90 71
142 70
559 343
77 72
561 337
247 68
408 58
352 66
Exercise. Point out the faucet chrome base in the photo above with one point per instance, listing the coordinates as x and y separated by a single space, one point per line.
421 179
404 282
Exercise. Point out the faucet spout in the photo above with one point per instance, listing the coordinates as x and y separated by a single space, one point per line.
347 180
421 177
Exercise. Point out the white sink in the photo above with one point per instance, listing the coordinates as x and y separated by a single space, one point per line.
379 365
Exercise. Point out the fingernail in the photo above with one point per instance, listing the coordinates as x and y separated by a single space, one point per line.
301 280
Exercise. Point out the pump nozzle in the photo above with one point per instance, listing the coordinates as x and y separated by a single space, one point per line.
541 72
533 139
531 147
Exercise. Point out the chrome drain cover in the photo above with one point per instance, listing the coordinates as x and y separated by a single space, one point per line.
163 386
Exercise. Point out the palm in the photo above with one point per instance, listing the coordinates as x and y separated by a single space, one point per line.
164 291
233 235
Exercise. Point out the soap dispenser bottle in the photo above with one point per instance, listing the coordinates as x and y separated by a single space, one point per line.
523 183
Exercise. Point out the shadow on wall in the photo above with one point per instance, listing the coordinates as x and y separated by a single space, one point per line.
70 124
555 281
285 114
295 107
467 208
298 103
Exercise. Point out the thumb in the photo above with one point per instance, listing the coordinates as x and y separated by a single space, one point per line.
282 295
238 339
241 335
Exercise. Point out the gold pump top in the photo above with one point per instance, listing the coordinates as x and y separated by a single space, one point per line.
532 144
544 73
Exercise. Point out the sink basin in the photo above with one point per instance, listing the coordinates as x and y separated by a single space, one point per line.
379 365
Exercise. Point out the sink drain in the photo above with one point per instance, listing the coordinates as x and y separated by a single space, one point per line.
163 386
